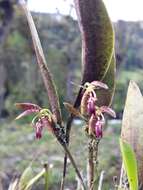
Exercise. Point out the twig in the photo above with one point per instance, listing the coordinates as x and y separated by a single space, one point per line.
74 165
101 180
68 129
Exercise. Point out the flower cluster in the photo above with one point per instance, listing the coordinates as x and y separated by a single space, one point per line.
90 109
42 119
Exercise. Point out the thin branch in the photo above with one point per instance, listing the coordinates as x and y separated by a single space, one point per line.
74 165
68 129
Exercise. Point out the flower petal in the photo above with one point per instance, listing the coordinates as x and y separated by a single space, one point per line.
105 109
99 84
27 106
98 129
38 126
25 113
91 105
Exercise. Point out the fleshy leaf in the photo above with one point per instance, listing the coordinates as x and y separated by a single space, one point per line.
130 164
132 125
97 41
98 38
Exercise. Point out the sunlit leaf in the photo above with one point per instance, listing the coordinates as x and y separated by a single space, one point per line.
14 185
34 180
105 96
26 176
132 125
130 164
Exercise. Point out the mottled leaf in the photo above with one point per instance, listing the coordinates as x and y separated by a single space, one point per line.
97 42
132 125
97 38
130 164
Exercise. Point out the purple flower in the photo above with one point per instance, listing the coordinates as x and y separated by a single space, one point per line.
38 127
28 109
95 127
42 119
98 129
91 105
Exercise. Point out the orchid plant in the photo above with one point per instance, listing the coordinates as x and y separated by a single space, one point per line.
98 66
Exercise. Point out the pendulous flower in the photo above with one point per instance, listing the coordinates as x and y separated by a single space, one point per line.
43 118
89 96
94 113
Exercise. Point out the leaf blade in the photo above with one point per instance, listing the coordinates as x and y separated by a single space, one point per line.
130 164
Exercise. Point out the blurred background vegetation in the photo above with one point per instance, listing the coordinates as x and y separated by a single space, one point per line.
20 81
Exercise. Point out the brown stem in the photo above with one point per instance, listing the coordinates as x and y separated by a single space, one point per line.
90 169
92 162
68 129
47 76
74 165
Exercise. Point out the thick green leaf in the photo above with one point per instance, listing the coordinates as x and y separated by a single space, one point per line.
130 164
97 41
132 125
105 96
97 38
34 180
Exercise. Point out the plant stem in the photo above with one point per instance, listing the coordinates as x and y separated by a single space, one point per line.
46 175
68 129
92 162
90 167
74 165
